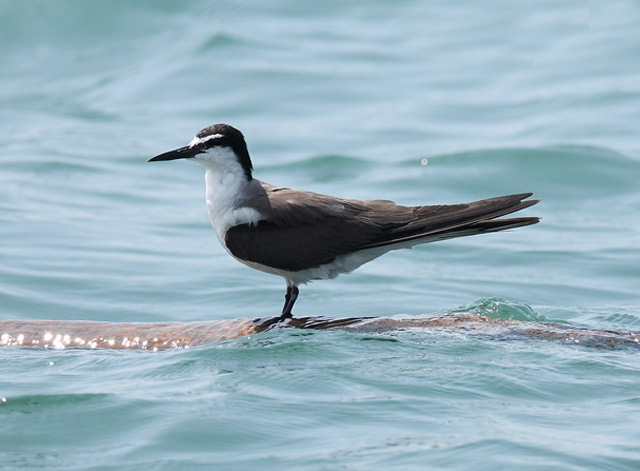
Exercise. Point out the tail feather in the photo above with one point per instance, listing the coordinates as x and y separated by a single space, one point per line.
447 222
482 227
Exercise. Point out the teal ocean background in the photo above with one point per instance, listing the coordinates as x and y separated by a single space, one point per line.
416 101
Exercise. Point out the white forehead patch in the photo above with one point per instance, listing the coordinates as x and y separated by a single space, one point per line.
199 140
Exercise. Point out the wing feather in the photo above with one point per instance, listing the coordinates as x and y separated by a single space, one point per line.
305 229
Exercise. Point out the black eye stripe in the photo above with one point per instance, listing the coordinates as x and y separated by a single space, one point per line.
214 142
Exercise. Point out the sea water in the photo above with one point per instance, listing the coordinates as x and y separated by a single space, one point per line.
415 101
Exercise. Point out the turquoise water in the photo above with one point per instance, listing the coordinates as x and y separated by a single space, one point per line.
345 98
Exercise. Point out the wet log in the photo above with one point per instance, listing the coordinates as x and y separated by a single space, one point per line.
154 336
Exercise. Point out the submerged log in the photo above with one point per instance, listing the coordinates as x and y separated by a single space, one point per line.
156 336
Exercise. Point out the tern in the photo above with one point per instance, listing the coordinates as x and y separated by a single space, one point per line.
304 236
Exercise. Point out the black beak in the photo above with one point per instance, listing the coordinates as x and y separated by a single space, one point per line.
185 152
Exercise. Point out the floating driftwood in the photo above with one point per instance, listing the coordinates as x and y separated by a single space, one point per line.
156 336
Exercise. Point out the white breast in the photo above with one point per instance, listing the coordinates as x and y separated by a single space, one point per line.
223 194
226 183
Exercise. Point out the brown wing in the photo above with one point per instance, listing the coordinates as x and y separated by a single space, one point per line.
307 229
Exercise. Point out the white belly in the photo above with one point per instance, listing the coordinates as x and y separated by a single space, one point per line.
342 264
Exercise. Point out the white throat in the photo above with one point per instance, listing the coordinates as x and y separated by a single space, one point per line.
226 184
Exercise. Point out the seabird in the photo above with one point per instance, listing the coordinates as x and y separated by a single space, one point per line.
304 236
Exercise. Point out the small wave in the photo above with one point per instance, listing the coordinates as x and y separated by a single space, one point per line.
549 171
325 168
59 167
37 402
217 41
500 308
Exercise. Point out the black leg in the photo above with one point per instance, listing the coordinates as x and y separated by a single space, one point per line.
287 297
289 301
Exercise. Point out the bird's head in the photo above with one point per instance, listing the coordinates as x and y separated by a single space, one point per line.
218 147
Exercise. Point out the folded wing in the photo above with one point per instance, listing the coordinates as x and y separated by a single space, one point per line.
306 229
